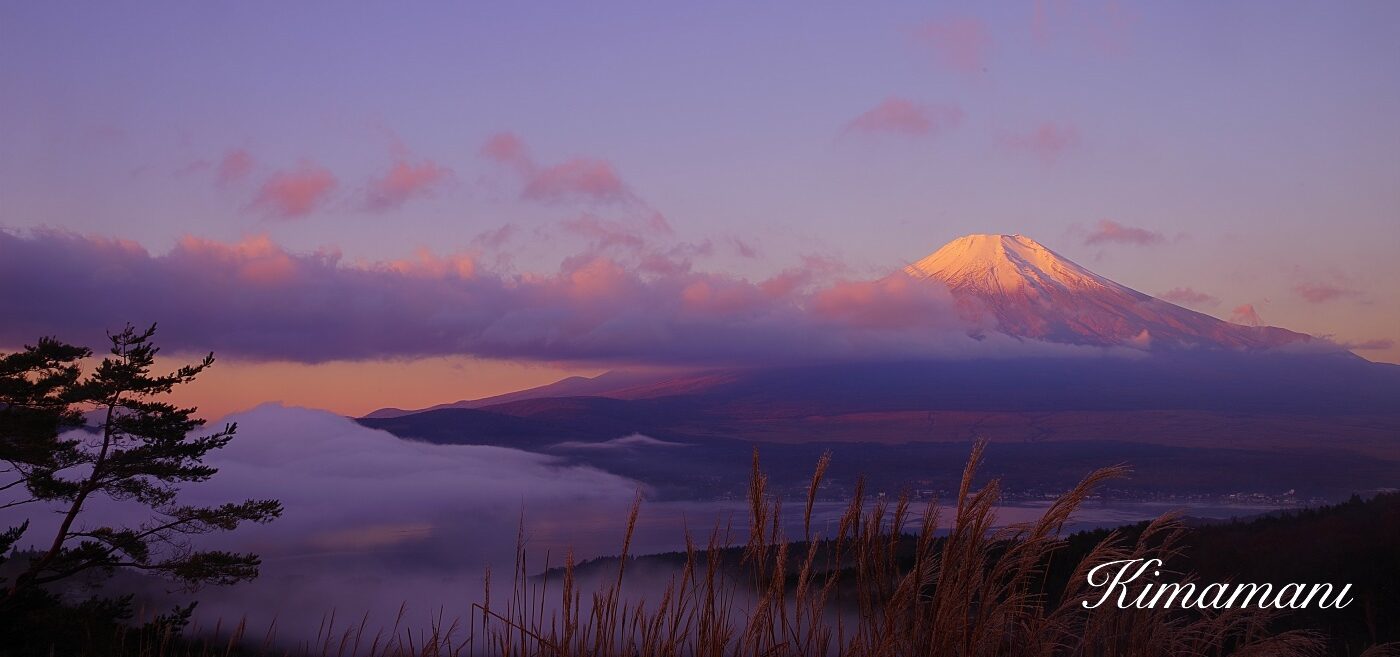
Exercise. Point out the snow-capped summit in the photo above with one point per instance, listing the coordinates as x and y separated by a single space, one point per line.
1016 285
1005 263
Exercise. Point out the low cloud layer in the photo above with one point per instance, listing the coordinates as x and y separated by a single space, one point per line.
372 521
620 301
347 487
629 442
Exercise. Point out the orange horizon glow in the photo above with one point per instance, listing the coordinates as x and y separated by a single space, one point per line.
355 388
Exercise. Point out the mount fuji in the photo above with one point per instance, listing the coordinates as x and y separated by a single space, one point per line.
1015 285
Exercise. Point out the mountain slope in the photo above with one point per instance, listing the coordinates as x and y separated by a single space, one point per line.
1015 285
607 384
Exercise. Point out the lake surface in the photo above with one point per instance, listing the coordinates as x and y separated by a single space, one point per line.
437 568
661 526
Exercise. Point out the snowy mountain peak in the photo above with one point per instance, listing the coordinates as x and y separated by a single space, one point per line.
992 264
1015 285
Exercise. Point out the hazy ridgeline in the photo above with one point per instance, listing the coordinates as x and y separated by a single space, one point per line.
895 578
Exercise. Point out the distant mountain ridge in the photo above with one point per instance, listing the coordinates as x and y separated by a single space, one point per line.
1203 420
616 384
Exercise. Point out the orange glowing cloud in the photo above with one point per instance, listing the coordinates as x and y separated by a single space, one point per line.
360 386
893 302
295 193
255 259
403 181
585 178
506 148
1247 315
576 179
717 298
430 265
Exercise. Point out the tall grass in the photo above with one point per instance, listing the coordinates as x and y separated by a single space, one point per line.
892 580
975 591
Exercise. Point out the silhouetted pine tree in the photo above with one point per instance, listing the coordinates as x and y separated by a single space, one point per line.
143 449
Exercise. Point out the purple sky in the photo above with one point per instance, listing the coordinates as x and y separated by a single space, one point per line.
1220 155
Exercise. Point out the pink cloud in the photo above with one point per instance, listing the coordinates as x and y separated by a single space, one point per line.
960 44
708 296
255 260
404 181
426 264
1047 141
580 178
235 166
1247 315
905 117
1112 232
506 148
897 301
1189 297
813 269
1322 292
295 193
